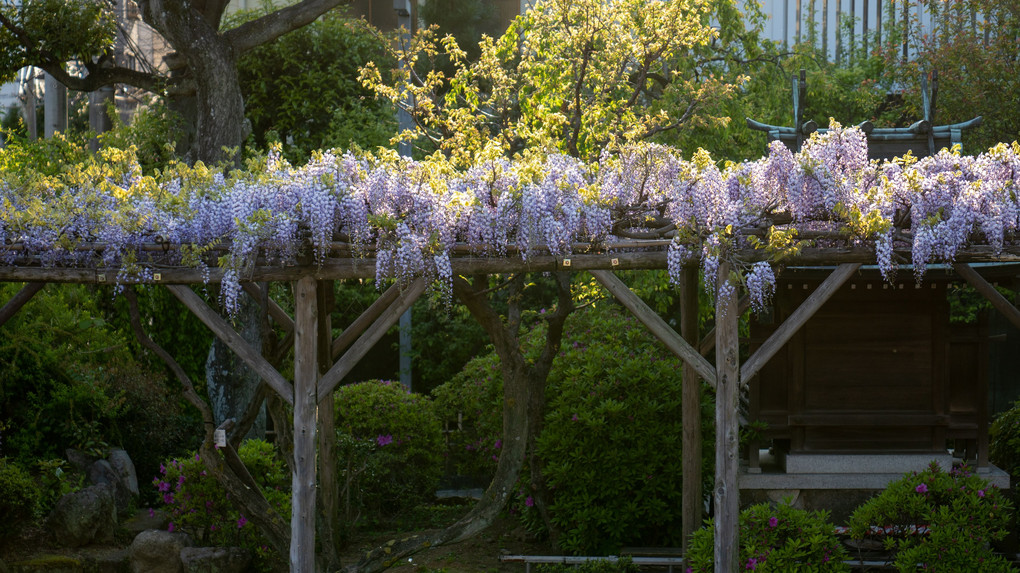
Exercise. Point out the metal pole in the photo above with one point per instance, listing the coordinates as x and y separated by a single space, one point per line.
404 22
55 110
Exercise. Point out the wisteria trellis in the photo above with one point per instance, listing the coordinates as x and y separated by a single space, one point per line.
410 214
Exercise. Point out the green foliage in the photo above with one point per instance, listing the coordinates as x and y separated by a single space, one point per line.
302 89
68 379
55 480
398 437
966 303
942 520
151 133
443 341
19 498
1004 442
57 30
567 75
776 539
611 444
621 565
198 505
979 73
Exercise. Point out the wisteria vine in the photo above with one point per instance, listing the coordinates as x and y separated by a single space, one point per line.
409 215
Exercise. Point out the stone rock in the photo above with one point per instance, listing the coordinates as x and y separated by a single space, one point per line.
215 559
79 459
125 468
100 473
155 551
84 517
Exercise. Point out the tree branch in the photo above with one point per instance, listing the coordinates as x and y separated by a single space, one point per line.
271 26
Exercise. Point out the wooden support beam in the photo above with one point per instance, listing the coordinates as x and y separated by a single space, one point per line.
691 410
366 341
708 341
329 485
222 329
280 316
727 425
306 374
985 288
792 324
17 301
655 324
352 332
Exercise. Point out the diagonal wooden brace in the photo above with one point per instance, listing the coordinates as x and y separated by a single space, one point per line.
792 324
366 341
982 286
17 301
222 329
656 325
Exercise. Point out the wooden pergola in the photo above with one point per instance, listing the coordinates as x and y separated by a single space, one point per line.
321 364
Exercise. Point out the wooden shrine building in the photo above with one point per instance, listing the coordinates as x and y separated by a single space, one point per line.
879 381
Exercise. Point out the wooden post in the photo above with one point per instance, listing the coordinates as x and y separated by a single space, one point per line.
691 415
328 483
306 374
727 424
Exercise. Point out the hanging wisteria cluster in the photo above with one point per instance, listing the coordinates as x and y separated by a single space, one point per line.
409 215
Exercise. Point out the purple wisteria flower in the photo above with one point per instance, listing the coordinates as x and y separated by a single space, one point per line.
922 488
773 521
384 440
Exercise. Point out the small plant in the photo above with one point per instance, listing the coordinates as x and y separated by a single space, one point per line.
938 521
19 498
198 505
56 481
776 538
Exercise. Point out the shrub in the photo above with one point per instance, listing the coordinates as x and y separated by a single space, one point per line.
776 538
473 402
198 505
611 442
1004 442
398 436
611 445
19 498
943 521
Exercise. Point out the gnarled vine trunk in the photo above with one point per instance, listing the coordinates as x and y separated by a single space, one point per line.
523 405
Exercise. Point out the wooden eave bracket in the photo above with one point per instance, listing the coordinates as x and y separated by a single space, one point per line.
656 325
222 329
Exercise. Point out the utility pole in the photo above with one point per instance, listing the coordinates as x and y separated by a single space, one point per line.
405 24
55 102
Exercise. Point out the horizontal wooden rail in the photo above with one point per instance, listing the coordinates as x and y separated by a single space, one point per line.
876 418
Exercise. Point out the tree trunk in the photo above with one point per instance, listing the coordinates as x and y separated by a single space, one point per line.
210 71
